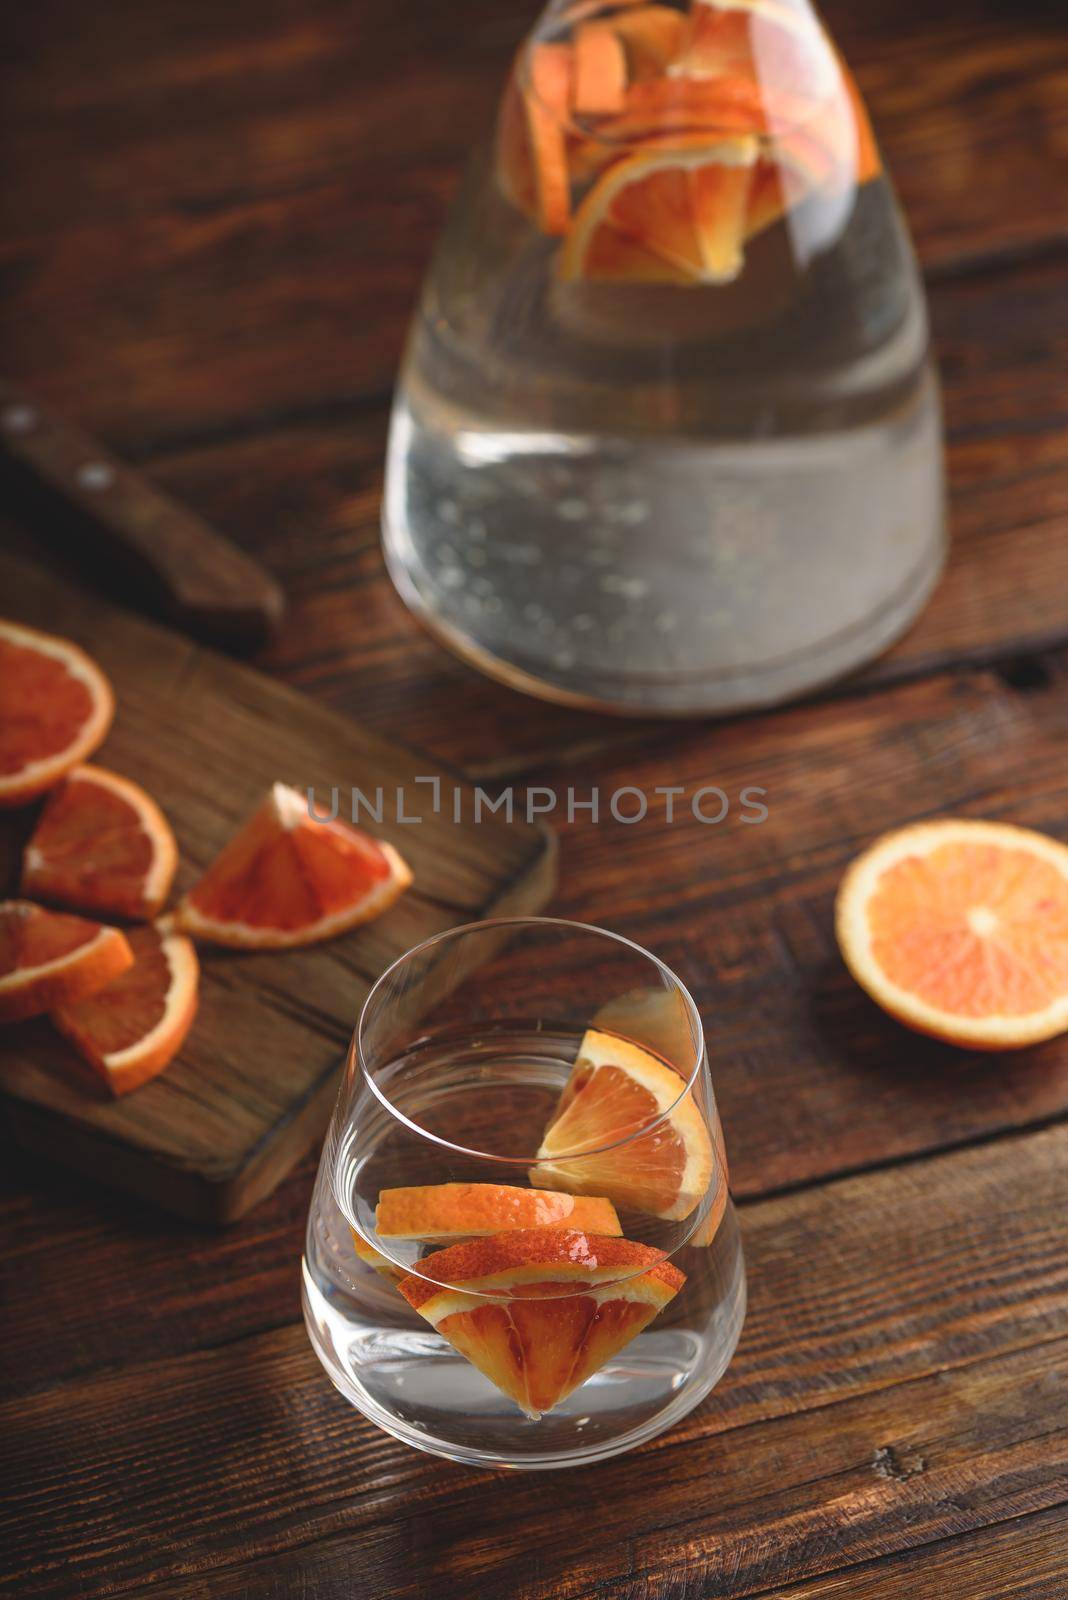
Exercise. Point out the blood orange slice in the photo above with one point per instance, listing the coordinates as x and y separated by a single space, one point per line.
286 879
48 959
778 47
651 36
539 1311
101 844
133 1028
475 1210
960 929
599 77
674 214
532 139
374 1258
616 1089
55 708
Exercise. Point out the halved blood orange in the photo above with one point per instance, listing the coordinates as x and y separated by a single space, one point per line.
55 708
101 844
288 879
48 959
539 1311
615 1089
674 214
531 135
960 929
475 1210
133 1028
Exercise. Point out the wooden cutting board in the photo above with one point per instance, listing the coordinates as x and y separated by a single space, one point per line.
253 1087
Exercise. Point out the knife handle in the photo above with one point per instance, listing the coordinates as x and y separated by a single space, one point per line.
201 581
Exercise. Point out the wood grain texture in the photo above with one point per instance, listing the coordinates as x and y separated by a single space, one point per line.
254 1083
900 1378
62 479
1023 1559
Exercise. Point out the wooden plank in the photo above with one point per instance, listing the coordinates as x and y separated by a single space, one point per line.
799 1496
1025 1559
213 221
860 1290
254 1084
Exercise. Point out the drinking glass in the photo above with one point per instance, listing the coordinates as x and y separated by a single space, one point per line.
521 1250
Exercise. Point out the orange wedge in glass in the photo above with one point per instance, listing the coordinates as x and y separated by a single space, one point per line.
374 1258
539 1311
615 1090
474 1210
960 930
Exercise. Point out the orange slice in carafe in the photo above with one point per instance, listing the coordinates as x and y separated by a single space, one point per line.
669 214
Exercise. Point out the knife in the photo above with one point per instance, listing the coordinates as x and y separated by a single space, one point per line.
200 581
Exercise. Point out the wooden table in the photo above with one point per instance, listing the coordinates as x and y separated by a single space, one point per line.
216 218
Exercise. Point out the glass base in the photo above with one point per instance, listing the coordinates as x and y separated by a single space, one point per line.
416 1365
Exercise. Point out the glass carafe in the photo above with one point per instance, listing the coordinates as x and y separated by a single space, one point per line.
667 435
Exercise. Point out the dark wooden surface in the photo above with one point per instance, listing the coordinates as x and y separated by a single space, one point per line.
254 1083
215 218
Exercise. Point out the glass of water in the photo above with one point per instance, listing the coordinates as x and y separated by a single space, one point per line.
521 1250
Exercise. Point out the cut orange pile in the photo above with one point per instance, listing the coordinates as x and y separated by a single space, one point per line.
288 879
960 930
539 1311
131 1029
101 844
55 708
49 959
658 142
595 1144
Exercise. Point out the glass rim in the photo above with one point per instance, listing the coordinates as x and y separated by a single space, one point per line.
532 923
